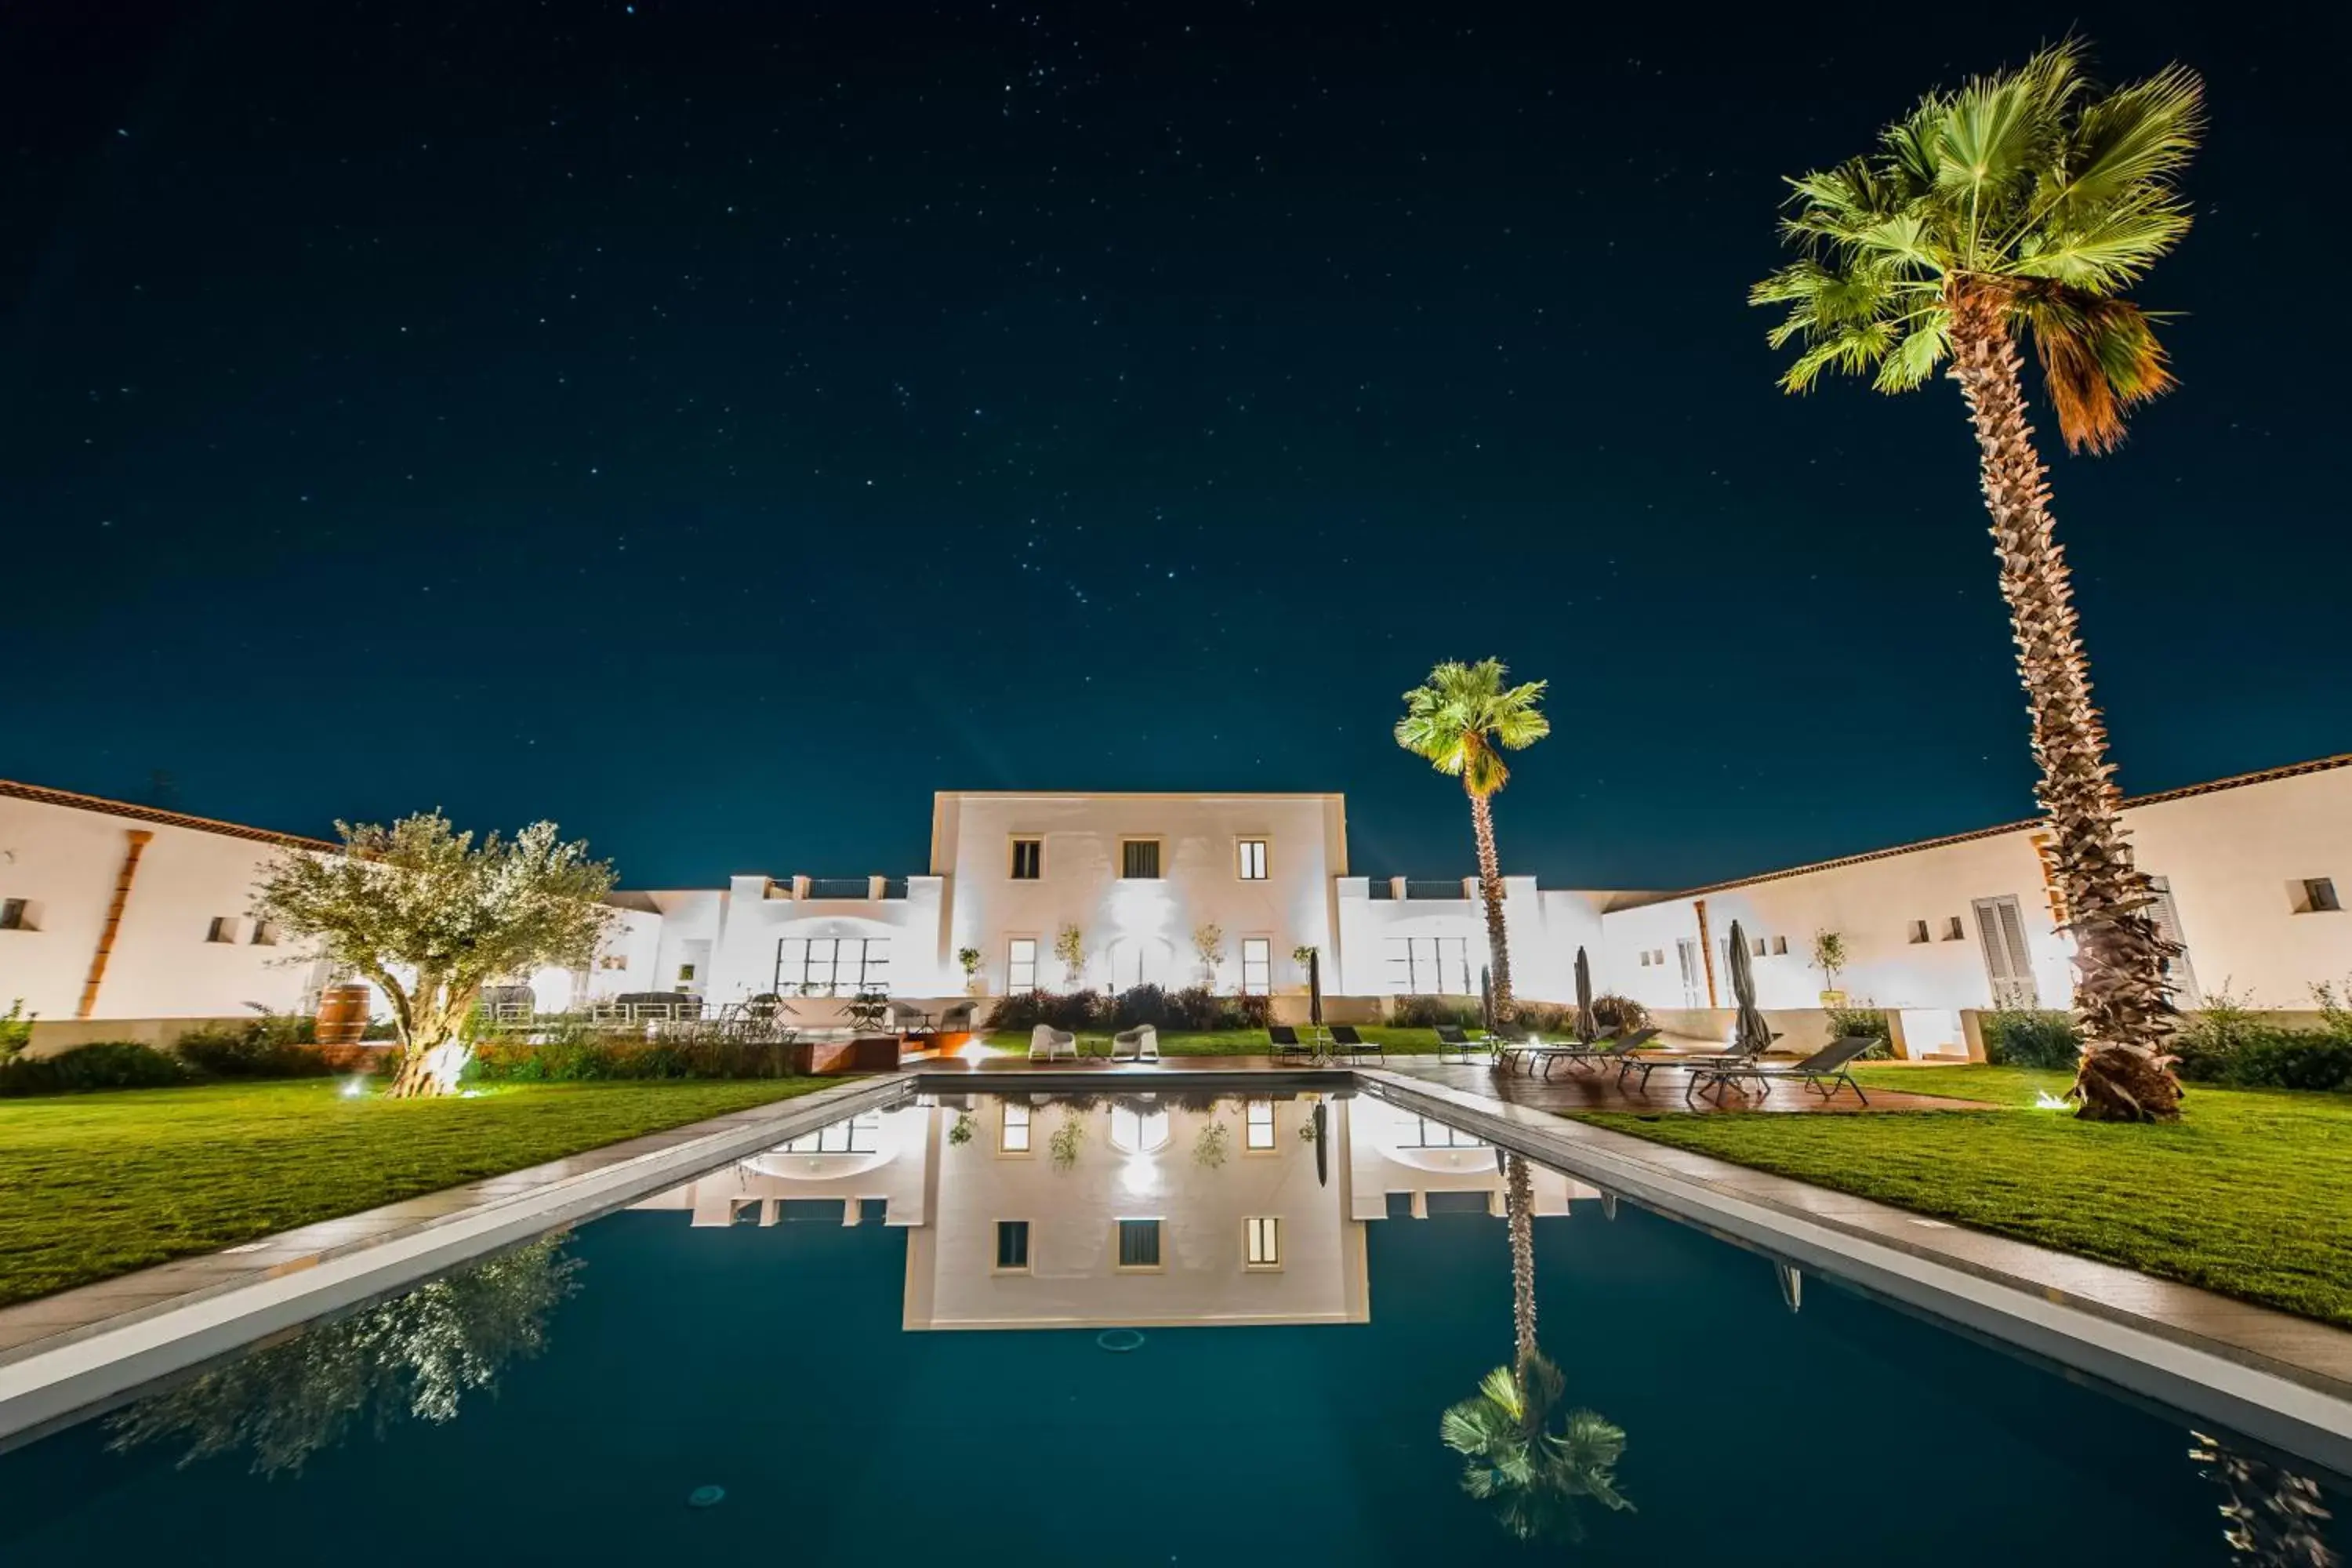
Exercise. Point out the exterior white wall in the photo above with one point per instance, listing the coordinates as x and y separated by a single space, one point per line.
756 913
1080 885
2235 859
65 860
1544 927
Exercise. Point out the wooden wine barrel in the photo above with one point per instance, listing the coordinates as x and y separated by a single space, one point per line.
342 1014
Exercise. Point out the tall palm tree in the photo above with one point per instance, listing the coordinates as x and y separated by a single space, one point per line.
2024 204
1531 1474
1460 721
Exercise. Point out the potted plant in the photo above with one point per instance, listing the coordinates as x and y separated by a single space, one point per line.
1070 947
968 959
1829 957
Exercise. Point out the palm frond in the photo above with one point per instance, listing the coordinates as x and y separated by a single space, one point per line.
1455 720
2099 357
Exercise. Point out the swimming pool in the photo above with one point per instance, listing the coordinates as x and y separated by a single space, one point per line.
1180 1328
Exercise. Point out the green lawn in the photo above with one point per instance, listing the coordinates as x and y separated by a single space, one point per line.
1231 1042
98 1185
2247 1194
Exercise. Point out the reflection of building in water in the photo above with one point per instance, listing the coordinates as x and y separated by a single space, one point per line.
1025 1211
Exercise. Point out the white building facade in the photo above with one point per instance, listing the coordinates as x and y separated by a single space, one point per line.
110 911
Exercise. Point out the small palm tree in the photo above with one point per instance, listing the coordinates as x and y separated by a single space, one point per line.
2024 204
1459 721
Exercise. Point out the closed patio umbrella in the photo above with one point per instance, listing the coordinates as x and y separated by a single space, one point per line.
1752 1033
1315 986
1587 1026
1486 998
1322 1144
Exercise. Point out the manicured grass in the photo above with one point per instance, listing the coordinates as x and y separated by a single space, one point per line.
1232 1042
2247 1194
98 1185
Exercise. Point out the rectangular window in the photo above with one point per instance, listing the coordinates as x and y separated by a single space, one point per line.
858 1135
1780 947
1257 965
223 929
1262 1242
1021 964
264 934
1952 932
1258 1124
1139 859
1028 859
1421 1132
2319 896
1138 1244
827 966
1645 958
1919 931
1012 1136
12 915
1011 1246
1252 859
1760 947
1428 966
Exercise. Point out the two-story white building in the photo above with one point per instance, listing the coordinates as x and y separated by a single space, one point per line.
131 919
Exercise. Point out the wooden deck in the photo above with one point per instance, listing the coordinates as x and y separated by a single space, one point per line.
1567 1090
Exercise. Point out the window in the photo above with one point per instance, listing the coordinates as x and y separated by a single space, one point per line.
1138 1131
1013 1247
1421 1132
1780 947
828 965
1138 1244
1760 947
1952 930
1262 1242
2319 896
1428 966
1028 859
1257 965
1645 958
223 929
1021 964
1252 859
1139 859
264 934
856 1136
1258 1124
1919 931
15 915
685 972
1013 1135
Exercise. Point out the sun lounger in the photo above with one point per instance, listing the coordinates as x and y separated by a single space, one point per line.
1140 1043
1283 1037
1829 1065
1047 1044
1726 1070
1345 1037
1454 1045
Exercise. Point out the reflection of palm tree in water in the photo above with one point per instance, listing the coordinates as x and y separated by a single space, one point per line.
416 1354
2274 1516
1532 1474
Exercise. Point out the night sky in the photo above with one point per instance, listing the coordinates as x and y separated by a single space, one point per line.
718 427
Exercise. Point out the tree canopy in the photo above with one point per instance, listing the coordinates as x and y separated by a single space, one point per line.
1459 719
2034 183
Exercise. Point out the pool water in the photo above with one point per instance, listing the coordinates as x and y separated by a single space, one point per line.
836 1354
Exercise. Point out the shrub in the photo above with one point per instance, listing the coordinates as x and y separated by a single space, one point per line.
1543 1017
276 1045
106 1064
584 1056
1845 1021
1062 1010
2226 1042
2031 1038
1428 1012
1150 1005
1615 1012
16 1031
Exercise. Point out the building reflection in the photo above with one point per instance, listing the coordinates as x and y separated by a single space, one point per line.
1033 1211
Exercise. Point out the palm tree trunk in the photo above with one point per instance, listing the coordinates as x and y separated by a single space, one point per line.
1490 889
2122 1000
1519 1208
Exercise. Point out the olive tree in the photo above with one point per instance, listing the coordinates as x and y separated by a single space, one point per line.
430 916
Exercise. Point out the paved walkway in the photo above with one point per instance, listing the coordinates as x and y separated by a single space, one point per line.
1567 1090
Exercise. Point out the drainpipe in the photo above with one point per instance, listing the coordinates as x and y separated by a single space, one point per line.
139 837
1706 951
